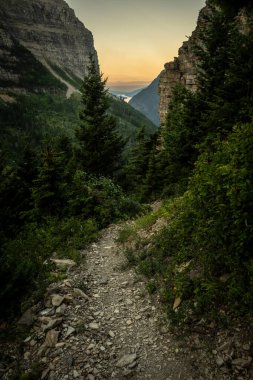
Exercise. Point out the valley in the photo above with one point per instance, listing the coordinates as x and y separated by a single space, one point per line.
126 217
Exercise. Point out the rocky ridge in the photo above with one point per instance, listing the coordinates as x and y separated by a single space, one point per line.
182 70
51 32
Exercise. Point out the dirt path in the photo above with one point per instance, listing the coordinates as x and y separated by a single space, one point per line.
100 323
125 309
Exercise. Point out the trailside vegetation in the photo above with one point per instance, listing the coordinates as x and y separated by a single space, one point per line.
201 261
56 186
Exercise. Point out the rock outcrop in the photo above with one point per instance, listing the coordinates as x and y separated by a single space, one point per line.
51 32
182 69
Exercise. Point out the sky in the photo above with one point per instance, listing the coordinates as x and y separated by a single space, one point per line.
135 38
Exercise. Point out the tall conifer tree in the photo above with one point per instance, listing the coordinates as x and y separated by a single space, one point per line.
100 146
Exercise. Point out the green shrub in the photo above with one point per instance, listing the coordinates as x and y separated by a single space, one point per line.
204 254
22 261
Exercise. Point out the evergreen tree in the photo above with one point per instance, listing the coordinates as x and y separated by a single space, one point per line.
49 186
138 163
100 146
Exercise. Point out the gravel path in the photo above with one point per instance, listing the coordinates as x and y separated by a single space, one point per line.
100 323
122 308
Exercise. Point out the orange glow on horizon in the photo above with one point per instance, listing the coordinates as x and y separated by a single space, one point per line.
135 38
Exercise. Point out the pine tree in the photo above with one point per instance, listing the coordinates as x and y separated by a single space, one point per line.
49 186
100 146
138 163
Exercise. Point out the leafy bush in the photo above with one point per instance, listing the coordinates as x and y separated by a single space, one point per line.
22 268
100 198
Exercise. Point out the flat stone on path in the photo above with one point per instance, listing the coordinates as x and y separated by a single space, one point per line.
94 326
52 338
57 300
126 360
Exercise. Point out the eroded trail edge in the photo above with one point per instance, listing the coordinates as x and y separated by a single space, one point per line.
100 323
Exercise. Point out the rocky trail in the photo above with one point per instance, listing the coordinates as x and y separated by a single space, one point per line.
100 323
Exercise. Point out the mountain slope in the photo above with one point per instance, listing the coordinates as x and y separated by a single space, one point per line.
52 33
147 101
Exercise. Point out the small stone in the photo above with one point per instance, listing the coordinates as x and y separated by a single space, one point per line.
66 263
52 338
52 324
27 355
67 283
225 346
75 374
68 298
47 312
103 281
164 330
111 333
219 361
45 373
57 300
60 345
129 322
27 318
79 293
61 309
91 377
242 362
95 371
132 365
246 347
94 326
116 311
70 331
126 360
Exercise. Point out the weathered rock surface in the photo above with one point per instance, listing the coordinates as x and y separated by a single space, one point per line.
182 69
53 34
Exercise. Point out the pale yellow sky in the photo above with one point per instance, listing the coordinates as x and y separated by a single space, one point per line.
134 38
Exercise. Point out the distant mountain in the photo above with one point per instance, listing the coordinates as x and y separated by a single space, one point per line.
147 101
126 93
130 121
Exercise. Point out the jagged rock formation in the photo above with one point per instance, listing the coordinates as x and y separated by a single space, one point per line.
182 69
50 31
147 101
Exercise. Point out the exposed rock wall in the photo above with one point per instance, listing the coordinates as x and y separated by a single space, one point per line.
181 70
50 30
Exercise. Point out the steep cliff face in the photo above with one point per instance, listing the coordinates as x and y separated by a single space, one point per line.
50 31
182 69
